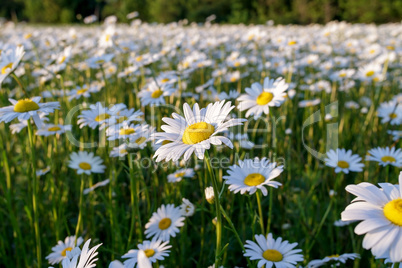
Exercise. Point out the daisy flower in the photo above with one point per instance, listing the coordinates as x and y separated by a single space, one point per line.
96 116
386 156
195 132
253 174
85 162
42 171
333 258
86 256
124 131
187 208
50 129
96 185
120 151
164 223
84 91
9 61
180 174
396 134
27 108
59 251
155 94
380 213
260 97
125 116
154 250
344 161
390 112
97 61
272 252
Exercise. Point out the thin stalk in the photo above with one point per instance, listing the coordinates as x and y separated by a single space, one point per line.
134 203
217 210
34 195
258 195
77 228
270 210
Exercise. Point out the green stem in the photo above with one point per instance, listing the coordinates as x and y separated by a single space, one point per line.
258 195
134 202
34 194
270 210
77 228
217 210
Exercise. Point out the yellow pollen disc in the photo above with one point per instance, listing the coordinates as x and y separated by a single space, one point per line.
126 131
333 256
343 164
372 51
5 68
25 105
165 223
272 255
370 73
140 140
107 37
62 59
156 94
121 119
393 211
342 75
102 117
200 65
233 79
123 151
390 47
236 64
139 58
392 115
179 175
82 91
63 253
85 166
197 132
291 43
100 61
388 159
149 252
55 128
27 36
165 80
254 179
264 98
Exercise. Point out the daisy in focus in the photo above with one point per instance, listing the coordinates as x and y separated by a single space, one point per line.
85 162
164 223
380 213
24 109
386 156
253 174
260 97
180 174
154 250
59 251
344 161
195 132
273 252
86 256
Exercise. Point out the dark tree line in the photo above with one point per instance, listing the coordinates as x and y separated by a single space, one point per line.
227 11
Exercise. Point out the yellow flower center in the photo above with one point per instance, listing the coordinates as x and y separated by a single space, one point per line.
27 36
85 166
197 132
156 94
370 73
393 211
272 255
390 47
139 58
140 140
236 64
264 98
165 223
180 174
342 75
333 256
254 179
102 117
392 115
25 105
63 59
5 68
100 61
388 158
107 37
372 51
233 79
343 164
55 128
165 80
63 253
82 91
123 151
292 43
126 131
149 252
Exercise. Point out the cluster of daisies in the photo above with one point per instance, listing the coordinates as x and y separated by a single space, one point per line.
326 60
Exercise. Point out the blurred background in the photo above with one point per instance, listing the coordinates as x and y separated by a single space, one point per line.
226 11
